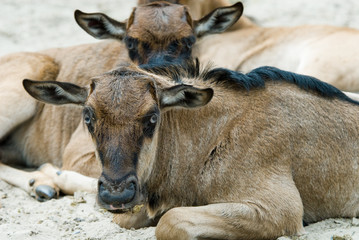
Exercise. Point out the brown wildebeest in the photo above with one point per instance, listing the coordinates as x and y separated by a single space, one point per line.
32 133
219 154
325 52
170 39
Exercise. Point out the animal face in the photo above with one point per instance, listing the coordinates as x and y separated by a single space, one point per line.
159 32
170 36
123 129
123 111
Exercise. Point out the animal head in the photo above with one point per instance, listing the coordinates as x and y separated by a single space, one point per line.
122 110
159 31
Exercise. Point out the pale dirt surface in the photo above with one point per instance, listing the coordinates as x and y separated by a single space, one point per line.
38 24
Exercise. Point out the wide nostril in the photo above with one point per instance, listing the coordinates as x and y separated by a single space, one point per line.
131 186
116 196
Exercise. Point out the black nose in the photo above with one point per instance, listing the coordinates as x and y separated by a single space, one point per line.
117 194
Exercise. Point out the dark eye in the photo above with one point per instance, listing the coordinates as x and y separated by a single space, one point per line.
153 119
131 43
89 118
149 124
132 47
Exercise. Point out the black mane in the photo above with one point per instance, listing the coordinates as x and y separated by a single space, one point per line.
252 80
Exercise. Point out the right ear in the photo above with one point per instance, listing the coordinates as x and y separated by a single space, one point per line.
185 96
56 92
219 20
100 25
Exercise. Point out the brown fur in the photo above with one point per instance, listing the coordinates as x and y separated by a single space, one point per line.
159 31
200 8
73 67
27 124
25 129
247 165
165 26
304 49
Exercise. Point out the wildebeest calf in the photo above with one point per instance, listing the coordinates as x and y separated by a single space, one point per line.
219 154
32 134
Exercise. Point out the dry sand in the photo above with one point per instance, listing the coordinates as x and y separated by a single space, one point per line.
38 24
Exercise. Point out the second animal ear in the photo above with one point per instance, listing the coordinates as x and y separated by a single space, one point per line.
218 20
100 25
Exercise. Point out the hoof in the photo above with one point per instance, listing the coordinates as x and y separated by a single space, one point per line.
45 193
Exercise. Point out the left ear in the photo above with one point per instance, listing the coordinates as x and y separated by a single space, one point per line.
218 20
56 92
185 96
100 25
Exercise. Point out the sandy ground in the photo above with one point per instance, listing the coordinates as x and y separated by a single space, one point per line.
38 24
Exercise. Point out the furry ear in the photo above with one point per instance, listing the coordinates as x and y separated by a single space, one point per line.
100 25
56 92
218 20
185 96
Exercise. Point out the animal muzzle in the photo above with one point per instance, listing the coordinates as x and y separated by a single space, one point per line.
118 197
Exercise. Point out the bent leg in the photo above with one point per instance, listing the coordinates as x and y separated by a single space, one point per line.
79 164
70 182
272 210
36 183
245 220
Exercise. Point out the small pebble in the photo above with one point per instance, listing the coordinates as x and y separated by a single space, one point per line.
78 219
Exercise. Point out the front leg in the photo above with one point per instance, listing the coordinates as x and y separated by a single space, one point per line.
70 182
246 220
36 183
